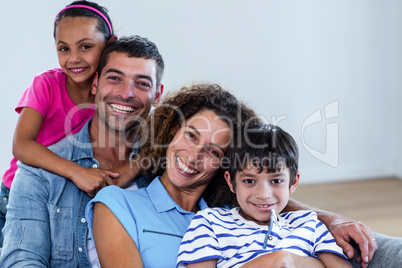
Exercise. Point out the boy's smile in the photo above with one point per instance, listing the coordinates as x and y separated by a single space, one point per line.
258 193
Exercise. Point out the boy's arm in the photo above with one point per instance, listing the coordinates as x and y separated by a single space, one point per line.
282 258
26 149
203 264
332 260
344 231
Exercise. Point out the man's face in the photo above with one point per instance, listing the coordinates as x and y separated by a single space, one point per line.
125 91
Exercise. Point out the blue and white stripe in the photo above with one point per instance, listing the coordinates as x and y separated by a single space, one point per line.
218 233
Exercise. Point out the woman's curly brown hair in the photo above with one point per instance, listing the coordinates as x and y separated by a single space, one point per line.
180 105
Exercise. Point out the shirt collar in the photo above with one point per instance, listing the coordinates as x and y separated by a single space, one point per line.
274 219
81 144
162 201
83 147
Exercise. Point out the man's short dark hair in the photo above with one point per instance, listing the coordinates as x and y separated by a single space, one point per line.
135 47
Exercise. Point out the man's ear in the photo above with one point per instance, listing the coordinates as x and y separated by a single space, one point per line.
94 86
158 95
111 39
229 181
295 183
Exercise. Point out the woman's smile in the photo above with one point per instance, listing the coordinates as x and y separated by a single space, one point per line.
184 168
194 154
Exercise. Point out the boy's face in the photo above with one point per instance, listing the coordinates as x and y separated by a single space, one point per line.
259 193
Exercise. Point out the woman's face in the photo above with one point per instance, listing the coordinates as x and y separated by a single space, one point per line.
193 156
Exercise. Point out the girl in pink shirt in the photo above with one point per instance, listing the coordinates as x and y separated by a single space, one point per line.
59 101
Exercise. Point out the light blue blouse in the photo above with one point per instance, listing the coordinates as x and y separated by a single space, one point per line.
154 221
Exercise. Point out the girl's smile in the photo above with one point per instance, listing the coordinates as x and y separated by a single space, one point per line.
79 46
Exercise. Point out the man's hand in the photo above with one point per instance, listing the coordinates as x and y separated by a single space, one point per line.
345 230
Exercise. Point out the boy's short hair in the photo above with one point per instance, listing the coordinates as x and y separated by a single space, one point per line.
267 147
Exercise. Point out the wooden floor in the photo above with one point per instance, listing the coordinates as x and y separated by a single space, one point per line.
377 203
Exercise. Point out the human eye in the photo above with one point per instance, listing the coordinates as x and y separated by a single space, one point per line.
276 181
190 135
85 47
143 85
249 181
214 152
113 78
63 49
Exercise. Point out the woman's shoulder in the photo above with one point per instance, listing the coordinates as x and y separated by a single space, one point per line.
118 194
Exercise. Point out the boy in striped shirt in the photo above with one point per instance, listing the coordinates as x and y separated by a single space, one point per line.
261 173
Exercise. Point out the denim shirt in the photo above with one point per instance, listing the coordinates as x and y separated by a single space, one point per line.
45 222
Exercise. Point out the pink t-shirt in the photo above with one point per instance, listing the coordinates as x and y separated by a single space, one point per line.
61 117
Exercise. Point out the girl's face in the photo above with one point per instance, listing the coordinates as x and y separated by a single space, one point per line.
193 156
79 46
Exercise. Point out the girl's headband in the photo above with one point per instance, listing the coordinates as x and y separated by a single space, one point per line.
90 8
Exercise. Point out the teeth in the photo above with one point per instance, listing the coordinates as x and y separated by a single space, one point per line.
77 69
183 167
122 108
262 206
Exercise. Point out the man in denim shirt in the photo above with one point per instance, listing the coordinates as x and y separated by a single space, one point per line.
45 224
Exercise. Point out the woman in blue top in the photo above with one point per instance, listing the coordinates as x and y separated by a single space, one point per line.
183 142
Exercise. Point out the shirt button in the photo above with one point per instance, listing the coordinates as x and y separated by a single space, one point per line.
83 220
58 210
270 237
80 249
94 166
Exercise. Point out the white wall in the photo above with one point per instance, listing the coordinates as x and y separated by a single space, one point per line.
287 59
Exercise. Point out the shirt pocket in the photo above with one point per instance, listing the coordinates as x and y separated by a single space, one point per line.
61 232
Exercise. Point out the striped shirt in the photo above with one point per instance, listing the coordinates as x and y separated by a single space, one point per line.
218 233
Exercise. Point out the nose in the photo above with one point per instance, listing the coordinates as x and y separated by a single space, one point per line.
263 191
74 56
195 154
127 91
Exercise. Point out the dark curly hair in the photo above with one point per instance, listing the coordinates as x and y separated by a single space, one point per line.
178 106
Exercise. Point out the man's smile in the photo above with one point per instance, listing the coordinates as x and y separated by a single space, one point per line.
122 108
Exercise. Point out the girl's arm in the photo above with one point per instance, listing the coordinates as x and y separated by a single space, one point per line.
127 173
114 245
26 149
